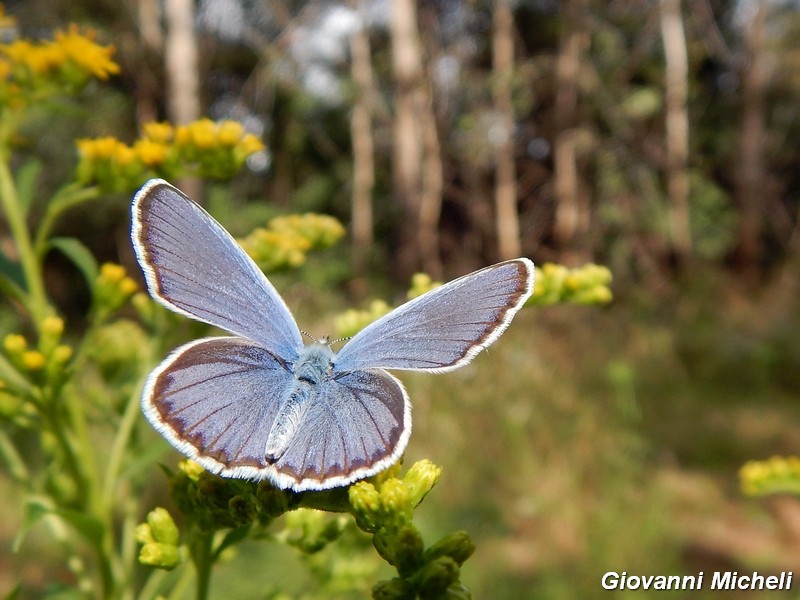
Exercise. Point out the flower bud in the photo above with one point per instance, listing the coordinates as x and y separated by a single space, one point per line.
393 589
33 360
365 502
163 556
162 527
420 478
395 499
456 545
436 576
408 547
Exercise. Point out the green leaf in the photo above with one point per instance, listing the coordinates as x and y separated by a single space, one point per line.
35 509
12 277
89 527
38 507
27 176
234 536
80 256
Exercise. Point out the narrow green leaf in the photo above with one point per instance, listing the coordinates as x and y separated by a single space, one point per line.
12 275
27 176
232 537
80 256
35 509
88 526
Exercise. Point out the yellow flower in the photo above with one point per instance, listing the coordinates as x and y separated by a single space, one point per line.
128 286
82 50
53 327
62 354
124 155
203 133
15 343
5 69
112 272
183 135
33 360
250 144
229 132
158 132
103 148
150 153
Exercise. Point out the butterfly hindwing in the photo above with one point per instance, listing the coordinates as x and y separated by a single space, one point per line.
355 426
215 400
193 266
446 327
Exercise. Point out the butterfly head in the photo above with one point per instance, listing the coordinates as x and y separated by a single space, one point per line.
314 363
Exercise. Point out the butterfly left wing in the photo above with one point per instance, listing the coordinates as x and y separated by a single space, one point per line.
215 400
194 267
446 327
354 426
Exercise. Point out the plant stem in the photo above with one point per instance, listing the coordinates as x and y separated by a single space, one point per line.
37 301
202 557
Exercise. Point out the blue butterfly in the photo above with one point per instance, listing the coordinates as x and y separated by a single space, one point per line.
262 405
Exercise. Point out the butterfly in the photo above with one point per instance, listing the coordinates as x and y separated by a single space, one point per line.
259 404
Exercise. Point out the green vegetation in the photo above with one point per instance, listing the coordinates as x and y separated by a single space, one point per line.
651 430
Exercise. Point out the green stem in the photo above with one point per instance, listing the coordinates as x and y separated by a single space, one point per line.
202 557
13 461
115 458
37 301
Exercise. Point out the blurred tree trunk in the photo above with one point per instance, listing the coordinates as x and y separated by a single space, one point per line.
506 217
750 184
677 126
180 56
431 198
363 157
146 90
571 214
417 187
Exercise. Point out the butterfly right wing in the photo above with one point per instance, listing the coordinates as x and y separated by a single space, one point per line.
194 267
352 426
215 400
446 327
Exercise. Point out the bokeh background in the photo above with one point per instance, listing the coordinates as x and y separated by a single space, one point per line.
658 138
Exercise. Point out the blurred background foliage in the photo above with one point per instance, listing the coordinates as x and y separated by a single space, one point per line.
657 138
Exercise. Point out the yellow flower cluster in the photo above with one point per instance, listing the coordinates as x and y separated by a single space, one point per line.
421 283
111 290
588 284
351 321
205 148
286 241
48 359
32 69
777 475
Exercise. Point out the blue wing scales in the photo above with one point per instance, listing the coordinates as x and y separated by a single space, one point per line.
446 327
194 267
356 425
215 400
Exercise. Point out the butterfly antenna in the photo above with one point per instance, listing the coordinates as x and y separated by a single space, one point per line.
308 335
344 339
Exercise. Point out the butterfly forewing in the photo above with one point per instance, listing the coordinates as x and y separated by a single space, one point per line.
215 400
193 266
446 327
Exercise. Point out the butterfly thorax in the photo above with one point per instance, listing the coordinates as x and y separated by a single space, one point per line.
312 367
314 364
